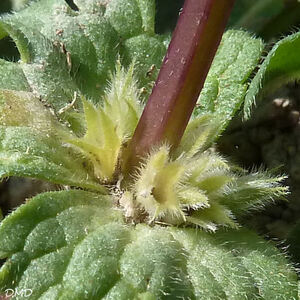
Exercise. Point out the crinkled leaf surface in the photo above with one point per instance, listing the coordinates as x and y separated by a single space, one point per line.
63 51
281 66
24 153
19 4
32 144
12 76
227 81
74 245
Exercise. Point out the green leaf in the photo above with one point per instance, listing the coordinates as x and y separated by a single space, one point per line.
12 77
64 51
24 152
125 17
32 144
227 81
145 60
261 260
253 192
199 135
24 109
75 245
19 4
282 65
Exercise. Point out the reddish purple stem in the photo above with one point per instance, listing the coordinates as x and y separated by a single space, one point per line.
190 54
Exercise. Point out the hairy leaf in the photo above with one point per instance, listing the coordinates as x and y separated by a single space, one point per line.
74 245
197 187
261 262
78 245
12 76
19 108
19 4
109 126
282 65
227 81
63 51
32 144
23 152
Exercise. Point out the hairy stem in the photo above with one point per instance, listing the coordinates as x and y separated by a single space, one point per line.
193 46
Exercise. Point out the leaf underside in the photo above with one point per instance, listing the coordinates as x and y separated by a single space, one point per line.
74 245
